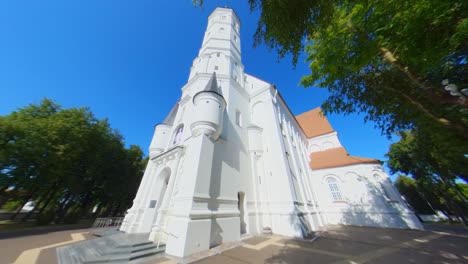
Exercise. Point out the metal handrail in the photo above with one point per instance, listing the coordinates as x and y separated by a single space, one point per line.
107 222
161 229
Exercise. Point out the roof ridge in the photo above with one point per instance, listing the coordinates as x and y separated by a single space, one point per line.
313 109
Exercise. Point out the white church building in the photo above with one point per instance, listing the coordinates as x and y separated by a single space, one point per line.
231 160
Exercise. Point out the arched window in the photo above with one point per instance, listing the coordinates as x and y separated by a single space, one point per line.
178 135
335 191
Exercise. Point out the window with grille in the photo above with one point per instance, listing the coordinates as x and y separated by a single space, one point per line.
334 189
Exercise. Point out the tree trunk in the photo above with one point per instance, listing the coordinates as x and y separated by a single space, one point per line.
18 211
36 205
63 208
447 214
49 199
85 203
116 209
456 210
454 125
107 209
3 197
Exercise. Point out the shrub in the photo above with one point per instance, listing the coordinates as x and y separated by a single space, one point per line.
71 218
11 205
45 217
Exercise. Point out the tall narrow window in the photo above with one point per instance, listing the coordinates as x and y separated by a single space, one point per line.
238 118
178 135
335 191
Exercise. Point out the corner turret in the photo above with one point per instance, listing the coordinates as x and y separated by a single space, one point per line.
160 139
209 110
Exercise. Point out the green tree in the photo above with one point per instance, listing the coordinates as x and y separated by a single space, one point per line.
408 188
435 171
378 57
67 161
24 148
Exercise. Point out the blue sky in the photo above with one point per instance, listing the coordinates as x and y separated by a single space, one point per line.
127 61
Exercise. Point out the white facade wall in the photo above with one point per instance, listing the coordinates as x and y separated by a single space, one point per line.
235 161
369 198
324 142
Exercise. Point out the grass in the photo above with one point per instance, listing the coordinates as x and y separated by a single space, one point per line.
14 225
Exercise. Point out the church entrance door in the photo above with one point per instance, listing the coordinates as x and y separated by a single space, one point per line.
164 176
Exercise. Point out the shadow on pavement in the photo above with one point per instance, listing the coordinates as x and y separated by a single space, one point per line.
447 228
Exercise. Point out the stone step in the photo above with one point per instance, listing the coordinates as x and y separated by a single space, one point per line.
123 258
129 250
104 232
113 248
132 244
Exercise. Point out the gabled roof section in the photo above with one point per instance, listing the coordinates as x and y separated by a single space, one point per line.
169 120
336 157
314 123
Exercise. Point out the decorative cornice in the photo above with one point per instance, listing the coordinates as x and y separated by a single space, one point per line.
170 154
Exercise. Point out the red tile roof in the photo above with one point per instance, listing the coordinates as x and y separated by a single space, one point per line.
314 123
336 157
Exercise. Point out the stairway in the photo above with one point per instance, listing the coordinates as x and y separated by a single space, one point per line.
111 247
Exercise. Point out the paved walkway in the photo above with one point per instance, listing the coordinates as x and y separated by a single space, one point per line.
338 245
37 245
351 245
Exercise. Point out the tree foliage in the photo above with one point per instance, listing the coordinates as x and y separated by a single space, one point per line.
430 197
67 161
384 58
434 169
416 199
423 155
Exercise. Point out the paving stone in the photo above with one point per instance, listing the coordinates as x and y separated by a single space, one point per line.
220 259
255 240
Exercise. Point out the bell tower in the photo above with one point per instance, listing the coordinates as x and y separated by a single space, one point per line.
221 49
